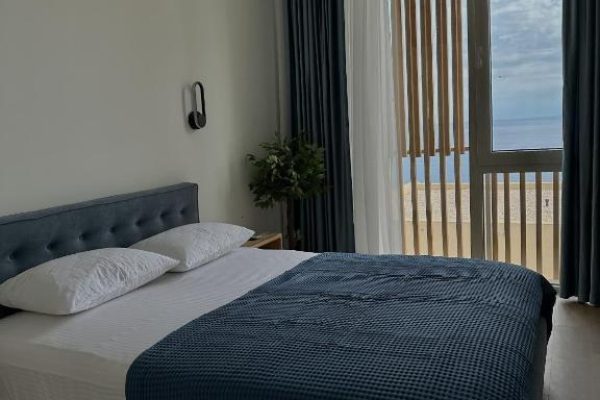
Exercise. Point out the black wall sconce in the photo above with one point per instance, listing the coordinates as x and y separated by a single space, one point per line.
197 118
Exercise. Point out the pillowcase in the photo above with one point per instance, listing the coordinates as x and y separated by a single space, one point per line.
196 244
80 281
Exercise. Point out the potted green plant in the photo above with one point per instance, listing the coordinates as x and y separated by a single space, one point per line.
291 169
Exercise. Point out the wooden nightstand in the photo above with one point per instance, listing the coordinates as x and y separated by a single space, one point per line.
271 241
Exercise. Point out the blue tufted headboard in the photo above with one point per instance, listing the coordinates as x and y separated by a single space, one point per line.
29 239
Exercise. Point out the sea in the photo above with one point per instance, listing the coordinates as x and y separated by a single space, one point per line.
508 135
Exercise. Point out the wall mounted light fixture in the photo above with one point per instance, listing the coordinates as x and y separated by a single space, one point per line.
197 118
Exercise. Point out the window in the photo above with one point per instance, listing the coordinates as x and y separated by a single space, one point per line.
526 68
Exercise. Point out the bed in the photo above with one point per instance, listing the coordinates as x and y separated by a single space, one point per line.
107 352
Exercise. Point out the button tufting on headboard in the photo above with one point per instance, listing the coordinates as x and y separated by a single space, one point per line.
29 239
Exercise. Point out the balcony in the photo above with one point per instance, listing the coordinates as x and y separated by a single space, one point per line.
475 181
522 220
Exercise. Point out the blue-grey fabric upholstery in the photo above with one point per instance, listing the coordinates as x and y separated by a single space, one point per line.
29 239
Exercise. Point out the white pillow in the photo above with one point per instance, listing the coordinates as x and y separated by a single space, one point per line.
196 244
81 281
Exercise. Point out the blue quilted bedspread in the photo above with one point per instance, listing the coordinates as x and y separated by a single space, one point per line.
347 326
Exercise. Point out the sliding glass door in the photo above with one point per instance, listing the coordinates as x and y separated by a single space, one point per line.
515 74
480 128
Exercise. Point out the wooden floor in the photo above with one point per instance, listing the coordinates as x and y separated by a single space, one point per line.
573 361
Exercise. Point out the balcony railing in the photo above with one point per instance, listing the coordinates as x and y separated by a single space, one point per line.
522 220
523 210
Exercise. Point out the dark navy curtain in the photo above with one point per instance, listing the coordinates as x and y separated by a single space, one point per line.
580 274
320 111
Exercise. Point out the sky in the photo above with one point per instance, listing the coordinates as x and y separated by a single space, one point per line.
526 58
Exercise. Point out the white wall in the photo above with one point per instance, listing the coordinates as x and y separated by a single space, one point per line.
92 100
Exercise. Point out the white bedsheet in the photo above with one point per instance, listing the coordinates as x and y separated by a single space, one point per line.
86 356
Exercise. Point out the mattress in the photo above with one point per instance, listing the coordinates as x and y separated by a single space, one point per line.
86 356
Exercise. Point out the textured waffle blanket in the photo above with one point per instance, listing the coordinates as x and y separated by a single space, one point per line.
348 326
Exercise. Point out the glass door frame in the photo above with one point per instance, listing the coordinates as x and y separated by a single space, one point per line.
483 159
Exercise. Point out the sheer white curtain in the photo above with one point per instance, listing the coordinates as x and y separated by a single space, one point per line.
376 168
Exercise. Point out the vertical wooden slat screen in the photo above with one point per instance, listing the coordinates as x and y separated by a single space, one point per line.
427 112
457 105
398 43
443 111
430 42
555 224
457 55
412 68
413 112
507 235
538 221
523 215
